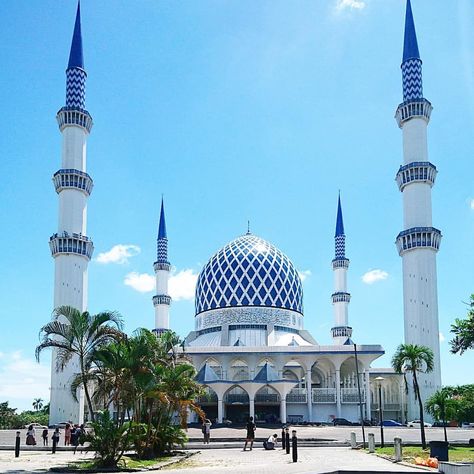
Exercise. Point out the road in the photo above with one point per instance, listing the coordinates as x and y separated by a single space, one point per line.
329 433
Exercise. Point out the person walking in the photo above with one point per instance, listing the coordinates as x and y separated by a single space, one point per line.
44 435
206 430
67 435
251 427
75 435
30 436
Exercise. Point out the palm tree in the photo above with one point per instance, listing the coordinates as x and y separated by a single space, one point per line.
441 407
76 334
413 358
38 404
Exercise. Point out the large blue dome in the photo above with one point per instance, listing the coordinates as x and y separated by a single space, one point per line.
249 271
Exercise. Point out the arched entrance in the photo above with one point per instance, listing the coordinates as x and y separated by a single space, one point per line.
236 405
208 403
267 405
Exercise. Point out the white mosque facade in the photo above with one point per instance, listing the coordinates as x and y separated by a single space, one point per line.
250 347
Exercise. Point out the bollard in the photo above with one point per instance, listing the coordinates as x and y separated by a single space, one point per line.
397 442
294 445
371 443
17 444
287 440
353 440
283 438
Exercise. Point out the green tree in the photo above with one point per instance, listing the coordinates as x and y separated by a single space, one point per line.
463 330
79 335
412 358
442 407
7 416
38 404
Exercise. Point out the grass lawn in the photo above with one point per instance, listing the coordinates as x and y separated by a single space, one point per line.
456 454
126 461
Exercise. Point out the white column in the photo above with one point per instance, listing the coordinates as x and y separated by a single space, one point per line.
338 393
368 406
252 407
283 409
220 410
308 395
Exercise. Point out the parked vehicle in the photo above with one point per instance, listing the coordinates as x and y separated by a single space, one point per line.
467 425
417 424
391 423
342 422
36 426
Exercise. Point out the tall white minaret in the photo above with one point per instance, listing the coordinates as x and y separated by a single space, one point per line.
70 247
162 300
341 331
419 242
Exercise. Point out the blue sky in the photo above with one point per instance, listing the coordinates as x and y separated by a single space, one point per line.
235 111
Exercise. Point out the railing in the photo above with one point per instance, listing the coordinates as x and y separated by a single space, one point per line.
351 395
297 395
323 395
267 398
237 398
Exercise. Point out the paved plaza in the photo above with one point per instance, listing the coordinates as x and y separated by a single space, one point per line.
311 460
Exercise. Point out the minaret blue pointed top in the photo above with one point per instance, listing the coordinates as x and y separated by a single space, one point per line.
410 46
76 58
162 226
339 221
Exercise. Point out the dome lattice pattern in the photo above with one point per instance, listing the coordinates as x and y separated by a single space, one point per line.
249 272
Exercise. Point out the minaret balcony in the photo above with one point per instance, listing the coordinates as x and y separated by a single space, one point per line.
162 266
341 331
73 179
418 237
71 243
161 299
416 172
68 116
340 263
341 297
416 108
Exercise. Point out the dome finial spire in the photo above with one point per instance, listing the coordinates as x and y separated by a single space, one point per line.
162 225
339 220
76 58
248 227
410 45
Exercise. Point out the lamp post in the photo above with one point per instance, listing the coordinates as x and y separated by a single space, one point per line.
379 381
360 396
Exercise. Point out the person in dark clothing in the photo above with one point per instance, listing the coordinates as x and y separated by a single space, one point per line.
250 433
44 435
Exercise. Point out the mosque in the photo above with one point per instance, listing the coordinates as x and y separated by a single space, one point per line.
249 346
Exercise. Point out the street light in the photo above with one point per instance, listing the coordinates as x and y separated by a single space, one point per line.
360 396
379 381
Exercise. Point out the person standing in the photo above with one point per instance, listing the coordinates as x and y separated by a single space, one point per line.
75 435
30 436
206 430
67 435
44 435
251 427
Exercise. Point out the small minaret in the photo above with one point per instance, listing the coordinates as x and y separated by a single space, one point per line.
70 247
162 300
419 242
341 332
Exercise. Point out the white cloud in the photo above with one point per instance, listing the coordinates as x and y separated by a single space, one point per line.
471 204
303 274
142 282
372 276
23 379
118 254
181 285
350 4
441 337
